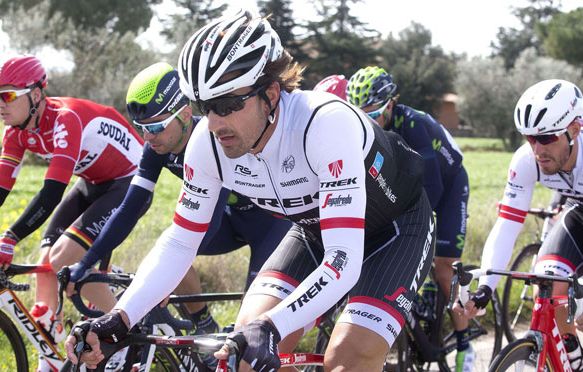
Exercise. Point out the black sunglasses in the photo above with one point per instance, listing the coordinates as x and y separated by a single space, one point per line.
223 106
543 139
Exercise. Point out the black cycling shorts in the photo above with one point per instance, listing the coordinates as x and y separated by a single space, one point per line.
562 250
85 209
390 277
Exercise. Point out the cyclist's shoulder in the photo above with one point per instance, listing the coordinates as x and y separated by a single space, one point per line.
66 109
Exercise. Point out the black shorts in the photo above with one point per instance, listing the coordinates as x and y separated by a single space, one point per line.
562 250
85 209
390 276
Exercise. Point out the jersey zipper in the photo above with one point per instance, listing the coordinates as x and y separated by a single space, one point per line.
266 164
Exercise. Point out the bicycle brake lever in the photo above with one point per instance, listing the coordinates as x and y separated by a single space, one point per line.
63 277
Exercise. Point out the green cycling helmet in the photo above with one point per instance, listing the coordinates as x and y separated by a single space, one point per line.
369 86
154 91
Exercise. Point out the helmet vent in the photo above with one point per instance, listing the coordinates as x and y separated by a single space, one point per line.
553 91
518 116
539 117
526 115
577 92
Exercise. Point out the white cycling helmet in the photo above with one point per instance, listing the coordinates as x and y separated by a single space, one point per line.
241 44
548 107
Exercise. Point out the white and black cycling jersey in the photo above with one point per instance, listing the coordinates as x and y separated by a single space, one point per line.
523 175
327 167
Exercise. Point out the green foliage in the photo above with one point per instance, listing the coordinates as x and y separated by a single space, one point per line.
489 92
104 61
511 42
119 16
564 32
337 42
423 72
282 20
193 15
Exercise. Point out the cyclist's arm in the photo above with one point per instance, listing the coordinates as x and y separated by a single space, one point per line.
342 228
522 177
172 255
10 161
126 216
68 134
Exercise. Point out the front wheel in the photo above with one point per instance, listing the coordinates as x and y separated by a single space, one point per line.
520 356
518 296
11 344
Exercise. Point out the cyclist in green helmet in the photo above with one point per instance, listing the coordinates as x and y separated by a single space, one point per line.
446 181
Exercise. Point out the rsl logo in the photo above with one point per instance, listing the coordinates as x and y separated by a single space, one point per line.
188 172
335 168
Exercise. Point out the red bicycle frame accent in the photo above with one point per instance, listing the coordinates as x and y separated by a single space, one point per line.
543 321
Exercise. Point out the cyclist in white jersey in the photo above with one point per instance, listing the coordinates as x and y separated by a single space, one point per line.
548 115
364 226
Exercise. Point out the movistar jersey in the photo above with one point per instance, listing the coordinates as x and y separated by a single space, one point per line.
442 156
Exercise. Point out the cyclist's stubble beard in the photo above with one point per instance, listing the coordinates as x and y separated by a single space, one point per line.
241 129
553 163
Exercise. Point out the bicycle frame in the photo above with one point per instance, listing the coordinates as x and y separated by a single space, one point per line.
11 304
545 331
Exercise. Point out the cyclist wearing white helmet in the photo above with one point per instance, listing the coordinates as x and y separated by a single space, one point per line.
548 115
363 224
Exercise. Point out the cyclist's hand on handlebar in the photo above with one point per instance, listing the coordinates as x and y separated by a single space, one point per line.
478 301
7 244
84 345
78 272
111 327
257 345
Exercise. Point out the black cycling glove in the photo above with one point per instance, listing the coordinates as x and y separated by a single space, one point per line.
257 343
110 327
481 296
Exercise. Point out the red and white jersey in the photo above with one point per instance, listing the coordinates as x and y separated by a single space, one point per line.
78 137
523 174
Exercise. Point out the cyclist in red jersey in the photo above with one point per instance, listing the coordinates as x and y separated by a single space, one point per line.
78 137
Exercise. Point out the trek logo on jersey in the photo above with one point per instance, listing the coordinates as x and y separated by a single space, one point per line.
309 294
60 133
286 203
288 164
333 184
244 171
338 201
187 203
338 263
376 166
335 168
188 172
195 189
115 133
